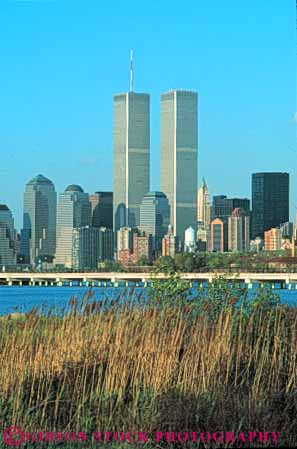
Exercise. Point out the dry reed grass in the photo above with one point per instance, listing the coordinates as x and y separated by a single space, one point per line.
151 369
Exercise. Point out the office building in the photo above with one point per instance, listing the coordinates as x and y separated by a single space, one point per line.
203 204
91 246
239 231
203 237
287 230
217 243
8 237
154 217
222 207
270 202
257 245
73 211
102 209
179 142
131 153
170 243
38 236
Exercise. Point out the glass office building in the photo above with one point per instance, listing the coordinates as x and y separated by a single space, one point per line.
73 211
38 236
270 202
154 217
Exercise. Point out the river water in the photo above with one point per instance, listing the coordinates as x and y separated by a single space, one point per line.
22 299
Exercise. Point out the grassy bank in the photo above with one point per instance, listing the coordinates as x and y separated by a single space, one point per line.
156 368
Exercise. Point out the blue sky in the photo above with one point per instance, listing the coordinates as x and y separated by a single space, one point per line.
62 61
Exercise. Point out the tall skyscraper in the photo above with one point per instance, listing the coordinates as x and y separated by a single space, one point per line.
270 202
179 145
239 230
7 237
154 217
38 237
73 211
102 209
203 204
131 152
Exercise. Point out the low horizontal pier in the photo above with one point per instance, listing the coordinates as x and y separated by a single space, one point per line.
101 279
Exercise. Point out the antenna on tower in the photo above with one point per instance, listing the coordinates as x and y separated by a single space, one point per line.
131 71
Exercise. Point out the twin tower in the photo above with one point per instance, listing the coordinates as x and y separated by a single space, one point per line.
179 146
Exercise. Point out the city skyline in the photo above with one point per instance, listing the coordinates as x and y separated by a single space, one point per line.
56 108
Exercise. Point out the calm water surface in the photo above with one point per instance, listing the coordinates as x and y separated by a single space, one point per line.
23 299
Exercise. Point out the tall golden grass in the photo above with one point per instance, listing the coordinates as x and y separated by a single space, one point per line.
132 368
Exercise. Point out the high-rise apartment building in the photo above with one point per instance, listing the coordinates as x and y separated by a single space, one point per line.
38 236
154 217
270 201
142 247
179 146
102 209
239 231
7 237
131 153
203 204
272 239
73 211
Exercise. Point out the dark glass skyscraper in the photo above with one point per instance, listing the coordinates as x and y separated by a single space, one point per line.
270 201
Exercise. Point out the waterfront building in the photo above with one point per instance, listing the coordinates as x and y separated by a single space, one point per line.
102 209
170 243
38 236
270 201
203 204
179 147
8 237
222 207
90 246
239 231
73 211
131 153
190 240
154 217
272 239
217 235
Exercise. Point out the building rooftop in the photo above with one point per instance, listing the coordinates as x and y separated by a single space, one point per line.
40 179
74 188
3 207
